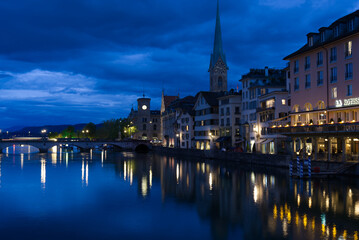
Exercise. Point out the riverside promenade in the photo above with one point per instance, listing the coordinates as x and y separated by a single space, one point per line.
350 168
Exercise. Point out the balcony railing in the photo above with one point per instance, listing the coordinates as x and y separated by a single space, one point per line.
315 129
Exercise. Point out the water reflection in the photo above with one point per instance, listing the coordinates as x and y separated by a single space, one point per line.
257 203
43 173
236 202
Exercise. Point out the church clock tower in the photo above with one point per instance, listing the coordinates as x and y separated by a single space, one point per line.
218 64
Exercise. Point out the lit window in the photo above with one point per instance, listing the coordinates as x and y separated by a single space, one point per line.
283 101
348 49
270 103
334 92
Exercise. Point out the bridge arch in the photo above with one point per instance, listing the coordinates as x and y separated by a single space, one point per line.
42 148
142 148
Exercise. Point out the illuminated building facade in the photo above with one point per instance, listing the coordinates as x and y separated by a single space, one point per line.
272 107
230 120
168 120
256 83
206 130
324 87
146 121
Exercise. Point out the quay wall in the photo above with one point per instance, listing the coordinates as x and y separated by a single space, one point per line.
273 160
248 158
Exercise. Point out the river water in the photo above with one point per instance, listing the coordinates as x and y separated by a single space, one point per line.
104 195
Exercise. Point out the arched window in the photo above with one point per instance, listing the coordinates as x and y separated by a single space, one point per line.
308 107
296 108
321 105
220 82
144 127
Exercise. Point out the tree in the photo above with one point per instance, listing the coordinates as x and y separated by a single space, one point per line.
109 130
69 132
90 130
53 135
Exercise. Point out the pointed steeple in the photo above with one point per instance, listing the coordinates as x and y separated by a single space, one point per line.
217 47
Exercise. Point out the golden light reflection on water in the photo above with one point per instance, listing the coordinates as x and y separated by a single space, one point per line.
144 189
305 221
275 212
150 177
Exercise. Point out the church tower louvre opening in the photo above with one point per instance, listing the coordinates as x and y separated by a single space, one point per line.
218 65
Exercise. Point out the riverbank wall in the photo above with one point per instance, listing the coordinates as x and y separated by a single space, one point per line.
272 160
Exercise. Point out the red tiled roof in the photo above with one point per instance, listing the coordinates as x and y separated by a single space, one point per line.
169 99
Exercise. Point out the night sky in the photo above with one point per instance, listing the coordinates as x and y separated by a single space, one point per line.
76 61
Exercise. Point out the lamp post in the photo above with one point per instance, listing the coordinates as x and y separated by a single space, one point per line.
177 139
43 132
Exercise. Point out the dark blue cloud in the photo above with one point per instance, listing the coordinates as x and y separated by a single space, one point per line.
69 61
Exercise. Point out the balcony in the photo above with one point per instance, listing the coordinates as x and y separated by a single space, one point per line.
262 109
324 129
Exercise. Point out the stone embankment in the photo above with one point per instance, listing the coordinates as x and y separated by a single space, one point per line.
273 160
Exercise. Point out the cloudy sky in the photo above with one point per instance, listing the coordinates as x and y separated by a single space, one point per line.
76 61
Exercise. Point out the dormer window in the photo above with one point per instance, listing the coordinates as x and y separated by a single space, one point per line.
351 25
310 41
336 31
322 37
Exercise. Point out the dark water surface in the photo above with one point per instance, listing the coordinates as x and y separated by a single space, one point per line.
102 195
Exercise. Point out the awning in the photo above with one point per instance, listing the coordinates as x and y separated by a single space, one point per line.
265 141
223 139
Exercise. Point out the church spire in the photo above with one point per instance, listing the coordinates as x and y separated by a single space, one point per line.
218 46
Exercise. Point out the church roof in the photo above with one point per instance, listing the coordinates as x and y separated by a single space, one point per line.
218 46
211 97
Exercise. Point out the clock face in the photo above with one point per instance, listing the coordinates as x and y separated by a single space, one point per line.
144 107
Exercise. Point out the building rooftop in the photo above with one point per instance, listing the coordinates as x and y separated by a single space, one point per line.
326 34
211 97
267 77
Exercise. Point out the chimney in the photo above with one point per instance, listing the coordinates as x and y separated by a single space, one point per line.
266 71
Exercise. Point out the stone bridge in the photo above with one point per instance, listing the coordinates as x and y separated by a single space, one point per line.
83 145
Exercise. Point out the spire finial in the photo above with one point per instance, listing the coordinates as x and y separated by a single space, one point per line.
217 47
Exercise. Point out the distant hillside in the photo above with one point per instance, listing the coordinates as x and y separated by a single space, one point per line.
36 131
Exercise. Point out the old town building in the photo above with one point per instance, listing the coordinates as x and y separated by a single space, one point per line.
324 92
256 83
230 120
146 121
